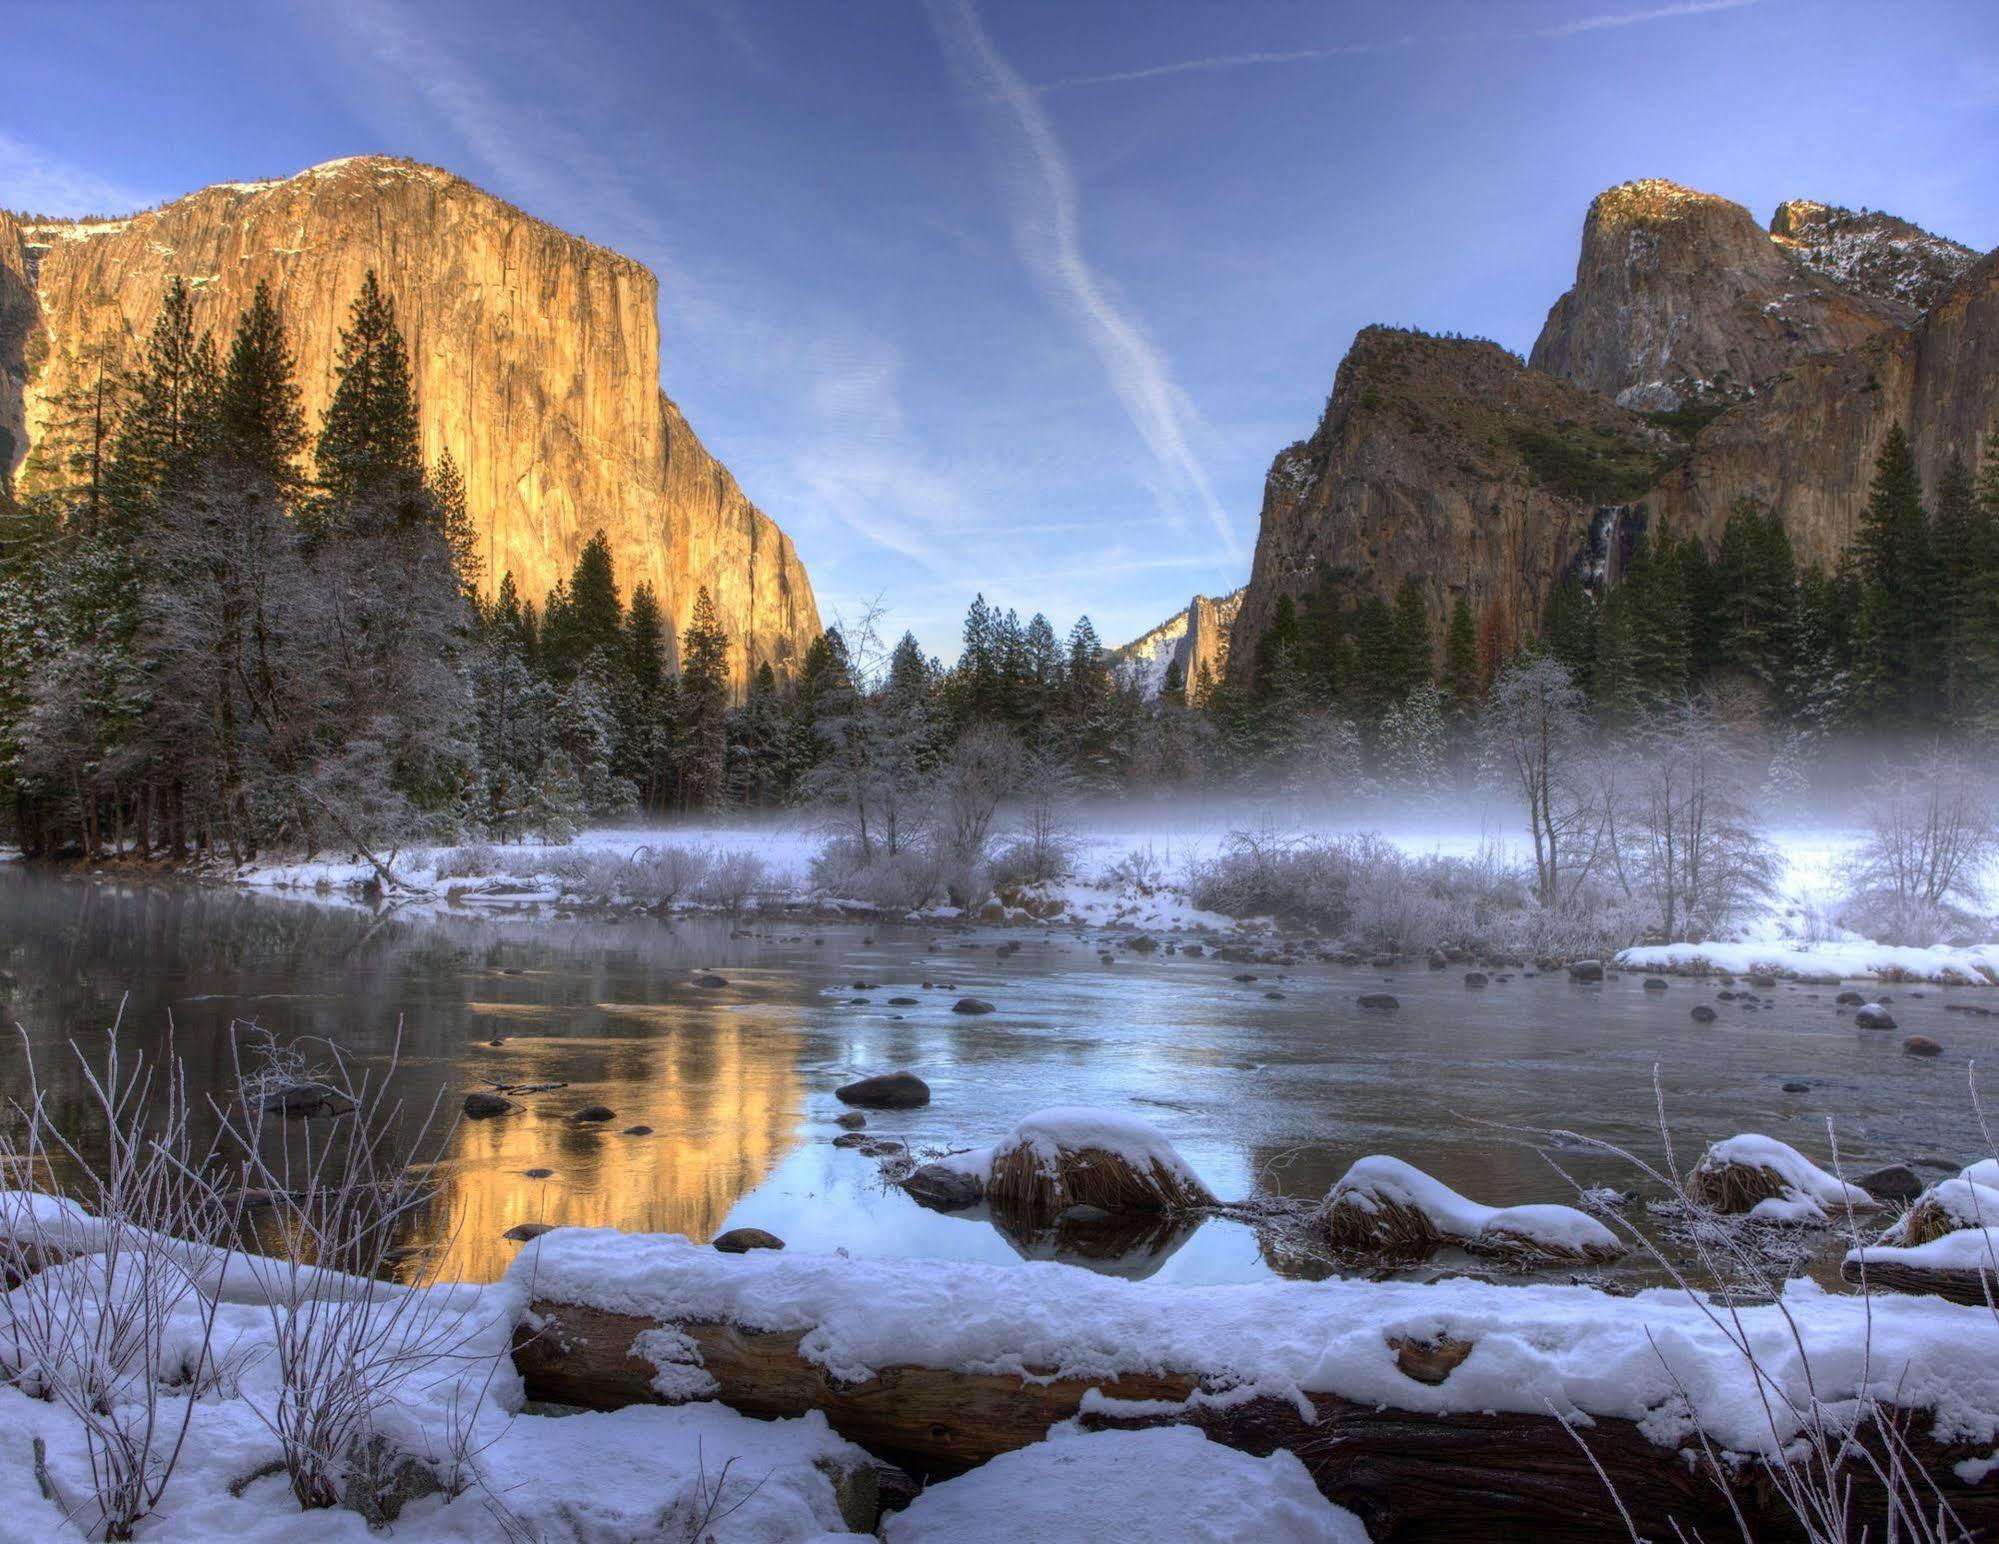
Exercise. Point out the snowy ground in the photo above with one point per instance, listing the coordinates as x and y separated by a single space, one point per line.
1661 1358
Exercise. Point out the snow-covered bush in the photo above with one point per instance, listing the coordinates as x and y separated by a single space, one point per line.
908 880
119 1334
733 880
1931 840
471 862
664 876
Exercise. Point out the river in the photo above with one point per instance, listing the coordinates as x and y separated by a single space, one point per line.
1278 1082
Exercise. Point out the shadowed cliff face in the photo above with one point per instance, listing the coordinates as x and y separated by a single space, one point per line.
535 354
1450 460
1678 292
1447 460
1806 445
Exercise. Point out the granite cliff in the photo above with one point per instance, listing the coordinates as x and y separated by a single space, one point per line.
1195 638
536 357
1698 360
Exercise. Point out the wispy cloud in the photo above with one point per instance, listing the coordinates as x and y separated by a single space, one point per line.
1229 62
1640 18
1047 225
1574 27
34 180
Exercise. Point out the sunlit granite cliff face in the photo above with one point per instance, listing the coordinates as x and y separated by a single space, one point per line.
1678 292
535 354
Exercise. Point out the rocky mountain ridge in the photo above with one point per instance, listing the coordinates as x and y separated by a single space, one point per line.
1698 360
1196 638
536 357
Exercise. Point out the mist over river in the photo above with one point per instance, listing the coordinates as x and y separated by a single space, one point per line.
1276 1083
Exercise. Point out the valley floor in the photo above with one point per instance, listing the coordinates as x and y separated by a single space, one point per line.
1137 872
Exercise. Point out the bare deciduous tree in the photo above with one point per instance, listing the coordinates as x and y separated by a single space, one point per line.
1688 838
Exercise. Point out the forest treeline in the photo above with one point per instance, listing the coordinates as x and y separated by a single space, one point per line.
225 631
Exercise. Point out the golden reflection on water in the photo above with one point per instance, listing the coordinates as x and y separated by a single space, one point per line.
721 1091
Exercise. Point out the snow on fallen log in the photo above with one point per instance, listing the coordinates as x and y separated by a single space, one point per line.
1165 1482
941 1365
1382 1205
1771 1181
1944 1244
1961 1267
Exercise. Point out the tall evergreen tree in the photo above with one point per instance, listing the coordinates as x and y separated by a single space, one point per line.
260 425
1965 573
1893 558
369 459
701 734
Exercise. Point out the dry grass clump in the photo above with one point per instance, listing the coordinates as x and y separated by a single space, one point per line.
1496 1238
1732 1188
1354 1223
1949 1207
1031 1187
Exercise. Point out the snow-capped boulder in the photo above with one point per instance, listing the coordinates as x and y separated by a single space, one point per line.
1771 1181
1383 1205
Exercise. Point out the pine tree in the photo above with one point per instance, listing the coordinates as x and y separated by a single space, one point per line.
369 459
585 618
701 734
1754 593
260 425
1461 675
1964 576
1569 626
169 419
454 519
1894 562
1378 661
1415 647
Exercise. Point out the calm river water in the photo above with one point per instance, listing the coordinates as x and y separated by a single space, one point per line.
737 1082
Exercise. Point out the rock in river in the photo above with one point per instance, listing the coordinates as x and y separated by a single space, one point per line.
1379 1002
971 1005
1874 1016
943 1189
743 1240
886 1091
484 1106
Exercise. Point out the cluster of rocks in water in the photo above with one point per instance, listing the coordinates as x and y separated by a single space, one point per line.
948 1188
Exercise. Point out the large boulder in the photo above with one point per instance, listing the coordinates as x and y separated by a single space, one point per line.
886 1091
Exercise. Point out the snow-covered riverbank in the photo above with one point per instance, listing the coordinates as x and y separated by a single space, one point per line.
1138 874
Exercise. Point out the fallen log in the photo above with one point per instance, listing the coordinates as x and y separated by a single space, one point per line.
942 1422
1978 1288
1408 1474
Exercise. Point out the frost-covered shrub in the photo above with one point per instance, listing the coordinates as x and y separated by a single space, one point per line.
591 873
1931 840
907 880
464 862
1138 872
733 881
1027 862
665 876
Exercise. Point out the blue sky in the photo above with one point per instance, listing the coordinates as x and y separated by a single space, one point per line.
1023 297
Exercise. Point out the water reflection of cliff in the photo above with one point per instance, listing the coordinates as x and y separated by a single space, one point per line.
722 1101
